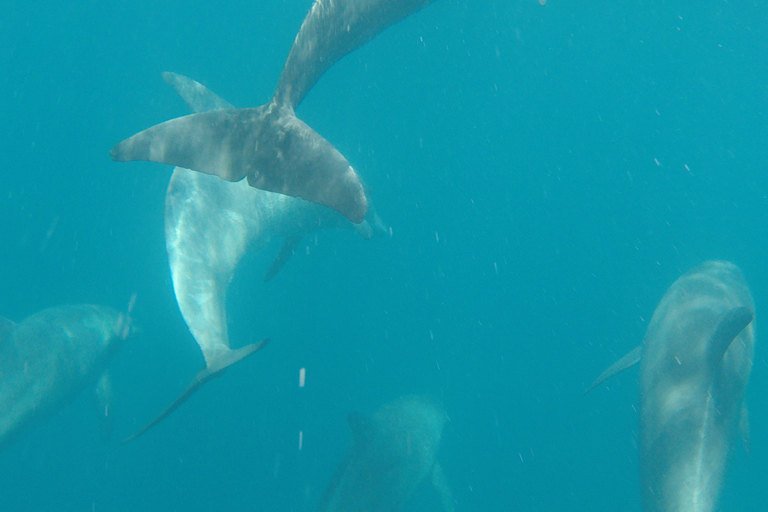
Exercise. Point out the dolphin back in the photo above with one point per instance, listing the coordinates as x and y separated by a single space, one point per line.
50 356
697 358
392 453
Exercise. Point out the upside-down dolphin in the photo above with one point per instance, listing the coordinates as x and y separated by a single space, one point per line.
695 362
269 145
209 226
46 359
392 453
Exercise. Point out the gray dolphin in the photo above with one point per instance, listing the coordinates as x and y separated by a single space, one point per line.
209 225
46 359
392 453
696 358
269 145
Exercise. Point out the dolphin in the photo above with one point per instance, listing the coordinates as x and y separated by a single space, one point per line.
209 226
392 453
269 145
695 362
46 359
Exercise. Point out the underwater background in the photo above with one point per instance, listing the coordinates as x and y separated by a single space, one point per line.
546 171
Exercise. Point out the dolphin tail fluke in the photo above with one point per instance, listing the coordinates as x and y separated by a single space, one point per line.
443 490
286 251
271 146
619 366
214 369
728 327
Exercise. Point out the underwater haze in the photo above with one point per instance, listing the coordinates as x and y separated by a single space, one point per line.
546 171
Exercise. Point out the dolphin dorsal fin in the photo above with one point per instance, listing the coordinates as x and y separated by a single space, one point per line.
730 325
286 251
622 364
362 428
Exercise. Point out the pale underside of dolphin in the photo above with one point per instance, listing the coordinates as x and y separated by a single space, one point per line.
392 453
269 145
695 360
209 225
49 357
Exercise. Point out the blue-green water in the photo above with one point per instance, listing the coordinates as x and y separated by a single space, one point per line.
547 173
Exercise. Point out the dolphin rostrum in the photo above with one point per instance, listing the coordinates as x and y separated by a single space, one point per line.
46 359
269 145
694 367
209 225
392 453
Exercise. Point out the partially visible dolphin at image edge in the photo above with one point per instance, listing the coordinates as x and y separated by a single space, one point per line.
269 145
46 360
696 360
209 226
392 453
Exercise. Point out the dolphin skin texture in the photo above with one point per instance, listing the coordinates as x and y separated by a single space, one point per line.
695 363
210 224
269 145
392 453
48 358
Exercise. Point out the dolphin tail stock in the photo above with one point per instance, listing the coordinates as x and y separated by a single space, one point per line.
213 369
729 326
629 360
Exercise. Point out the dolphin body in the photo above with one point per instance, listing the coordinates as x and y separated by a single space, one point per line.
269 145
49 357
209 226
392 453
696 358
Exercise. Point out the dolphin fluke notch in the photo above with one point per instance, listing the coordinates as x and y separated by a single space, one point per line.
271 146
212 370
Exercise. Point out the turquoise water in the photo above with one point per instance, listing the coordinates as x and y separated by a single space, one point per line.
547 172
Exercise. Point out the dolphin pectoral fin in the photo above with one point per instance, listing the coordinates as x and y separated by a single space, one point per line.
211 371
443 490
744 429
102 395
286 251
730 325
197 96
629 360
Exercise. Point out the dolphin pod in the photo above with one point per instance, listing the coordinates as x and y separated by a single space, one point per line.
46 359
695 362
269 145
209 225
392 453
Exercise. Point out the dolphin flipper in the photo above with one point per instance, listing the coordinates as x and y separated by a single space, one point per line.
440 484
286 251
629 360
102 395
197 96
211 371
